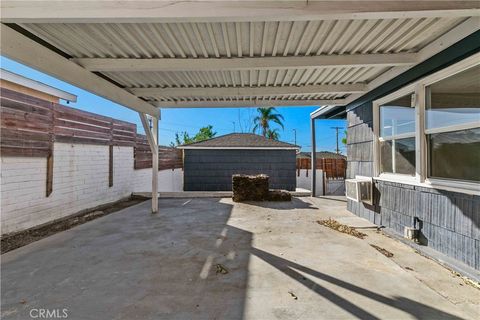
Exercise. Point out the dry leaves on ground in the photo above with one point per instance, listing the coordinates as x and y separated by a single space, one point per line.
335 225
383 251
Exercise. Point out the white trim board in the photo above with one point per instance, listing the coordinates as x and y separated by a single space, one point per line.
246 63
36 85
245 103
248 91
220 11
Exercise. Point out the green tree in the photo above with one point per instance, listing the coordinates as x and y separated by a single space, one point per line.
273 134
203 134
263 119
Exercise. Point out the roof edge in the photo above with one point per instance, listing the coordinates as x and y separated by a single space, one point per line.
239 148
36 85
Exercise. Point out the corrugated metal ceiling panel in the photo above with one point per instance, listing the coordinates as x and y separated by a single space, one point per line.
244 39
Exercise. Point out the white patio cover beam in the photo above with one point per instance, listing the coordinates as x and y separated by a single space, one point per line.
22 49
248 91
247 103
152 138
247 63
109 11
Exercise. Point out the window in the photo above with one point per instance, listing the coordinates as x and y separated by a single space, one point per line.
397 136
428 133
452 126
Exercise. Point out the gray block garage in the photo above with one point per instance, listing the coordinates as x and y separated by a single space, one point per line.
209 165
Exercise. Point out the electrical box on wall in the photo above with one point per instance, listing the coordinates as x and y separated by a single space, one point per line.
359 190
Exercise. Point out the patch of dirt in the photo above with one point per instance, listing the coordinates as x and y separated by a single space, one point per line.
22 238
383 251
335 225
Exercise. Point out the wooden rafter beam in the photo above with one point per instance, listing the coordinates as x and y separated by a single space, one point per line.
247 63
247 91
22 49
211 11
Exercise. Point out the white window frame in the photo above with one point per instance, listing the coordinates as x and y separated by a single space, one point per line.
418 89
378 139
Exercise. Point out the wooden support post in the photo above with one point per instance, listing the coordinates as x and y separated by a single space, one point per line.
313 158
152 136
50 173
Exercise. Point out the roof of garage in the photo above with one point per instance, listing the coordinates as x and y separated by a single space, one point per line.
240 141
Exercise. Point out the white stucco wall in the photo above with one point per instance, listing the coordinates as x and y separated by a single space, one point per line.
80 181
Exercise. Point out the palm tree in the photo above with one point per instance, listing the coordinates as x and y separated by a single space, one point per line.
273 134
265 115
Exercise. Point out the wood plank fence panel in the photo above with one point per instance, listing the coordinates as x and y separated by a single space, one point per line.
333 168
30 125
142 153
77 126
26 125
168 158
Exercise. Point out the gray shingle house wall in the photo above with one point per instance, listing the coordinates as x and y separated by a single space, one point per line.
451 220
212 169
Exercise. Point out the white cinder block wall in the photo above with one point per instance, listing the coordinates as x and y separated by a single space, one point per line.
80 182
304 181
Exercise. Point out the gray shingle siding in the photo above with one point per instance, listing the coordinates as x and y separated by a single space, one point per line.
212 170
451 220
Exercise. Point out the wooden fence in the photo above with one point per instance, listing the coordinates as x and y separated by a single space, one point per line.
333 168
29 127
168 158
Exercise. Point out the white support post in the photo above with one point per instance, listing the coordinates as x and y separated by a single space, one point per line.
155 166
151 131
313 159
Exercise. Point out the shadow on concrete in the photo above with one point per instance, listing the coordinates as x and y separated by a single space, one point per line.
282 205
135 265
415 308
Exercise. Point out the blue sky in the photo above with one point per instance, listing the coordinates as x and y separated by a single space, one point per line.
176 120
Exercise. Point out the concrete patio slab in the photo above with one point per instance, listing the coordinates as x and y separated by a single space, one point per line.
299 192
356 222
214 259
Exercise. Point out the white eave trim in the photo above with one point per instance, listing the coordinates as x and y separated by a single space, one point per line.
36 85
237 148
321 111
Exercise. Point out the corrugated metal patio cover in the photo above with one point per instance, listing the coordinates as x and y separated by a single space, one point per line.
233 56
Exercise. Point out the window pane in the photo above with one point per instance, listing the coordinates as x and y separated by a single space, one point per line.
397 117
454 100
402 160
455 155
